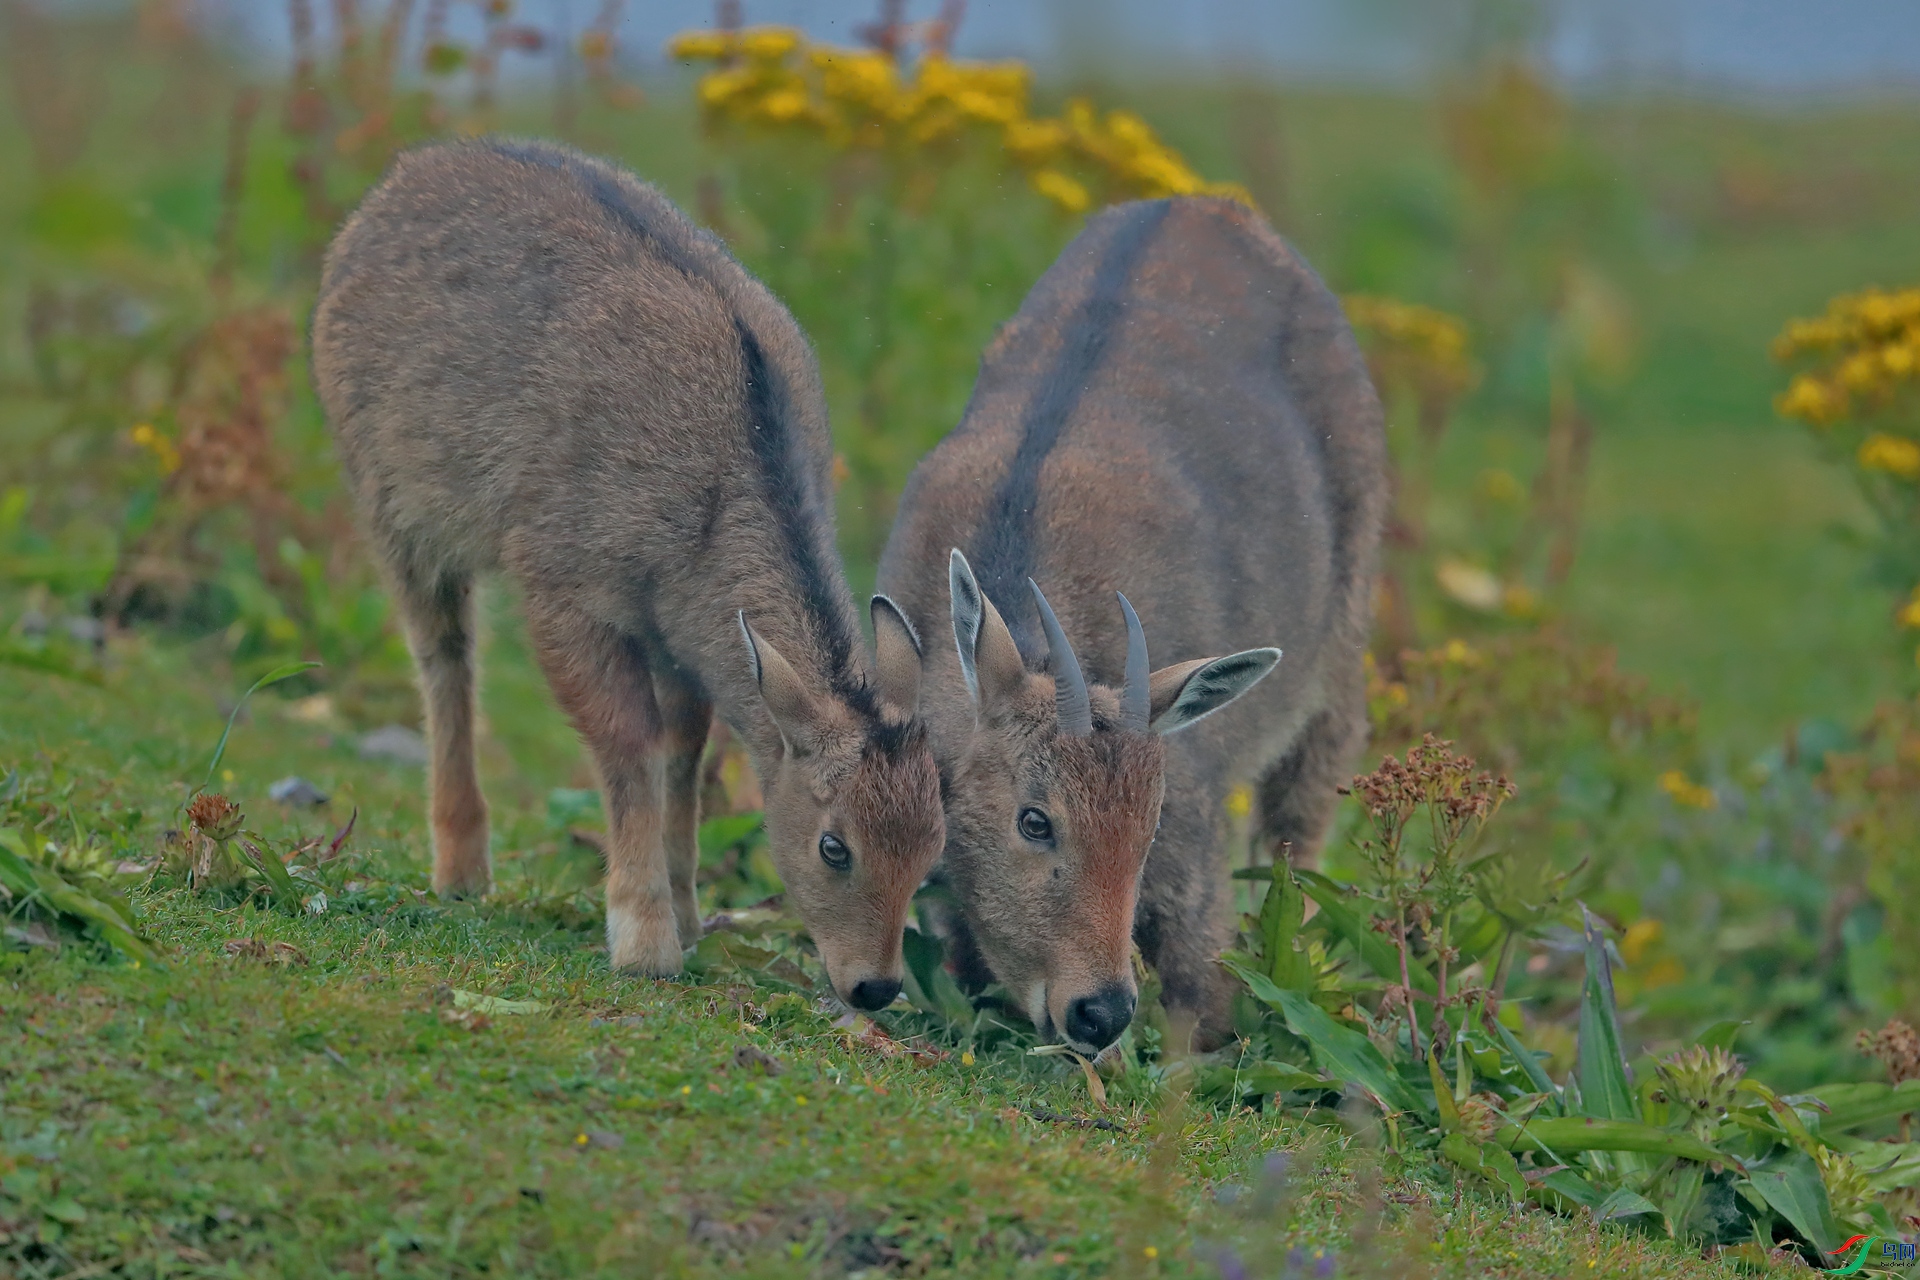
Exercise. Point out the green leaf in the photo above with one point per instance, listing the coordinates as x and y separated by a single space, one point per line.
1566 1190
1720 1035
1622 1203
928 985
1536 1074
1600 1066
280 885
1257 1080
494 1006
1490 1162
1550 1134
30 880
1792 1188
717 835
1342 1052
1851 1105
1443 1096
1378 954
275 676
1281 913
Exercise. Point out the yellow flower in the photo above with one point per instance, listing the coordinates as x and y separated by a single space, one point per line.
1066 192
800 1099
694 46
768 44
1034 141
1459 652
1811 400
1687 792
159 446
966 1058
1151 1252
1240 800
784 105
1894 455
1909 614
1640 935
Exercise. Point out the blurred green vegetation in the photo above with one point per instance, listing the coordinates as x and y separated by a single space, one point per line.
1668 629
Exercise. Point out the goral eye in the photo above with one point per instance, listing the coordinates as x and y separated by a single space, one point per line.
1036 826
834 852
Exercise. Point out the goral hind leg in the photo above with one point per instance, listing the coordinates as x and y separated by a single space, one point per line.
686 716
602 682
438 614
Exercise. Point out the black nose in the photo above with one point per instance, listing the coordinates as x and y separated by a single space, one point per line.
1096 1021
873 993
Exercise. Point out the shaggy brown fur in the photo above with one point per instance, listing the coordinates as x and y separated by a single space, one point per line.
1178 412
532 362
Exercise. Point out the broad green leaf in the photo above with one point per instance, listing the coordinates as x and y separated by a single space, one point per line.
27 879
1566 1190
1342 1052
1851 1105
1792 1188
494 1006
1379 954
1599 1065
1257 1079
1551 1134
1490 1162
1282 912
1536 1074
1622 1203
928 985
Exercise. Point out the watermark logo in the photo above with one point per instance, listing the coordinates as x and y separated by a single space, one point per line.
1875 1252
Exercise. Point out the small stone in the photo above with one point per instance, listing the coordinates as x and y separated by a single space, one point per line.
83 629
395 743
298 792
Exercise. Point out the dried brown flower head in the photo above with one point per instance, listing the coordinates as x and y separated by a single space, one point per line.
1897 1045
214 816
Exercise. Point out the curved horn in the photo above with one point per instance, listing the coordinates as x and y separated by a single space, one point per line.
1069 686
1136 699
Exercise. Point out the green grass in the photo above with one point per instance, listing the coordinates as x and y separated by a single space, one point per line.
238 1116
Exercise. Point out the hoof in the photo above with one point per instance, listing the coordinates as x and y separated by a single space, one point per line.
644 941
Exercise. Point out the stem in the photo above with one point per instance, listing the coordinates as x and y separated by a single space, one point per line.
1440 1004
1406 982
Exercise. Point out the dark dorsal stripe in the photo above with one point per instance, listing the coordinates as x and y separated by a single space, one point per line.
787 489
1001 549
786 482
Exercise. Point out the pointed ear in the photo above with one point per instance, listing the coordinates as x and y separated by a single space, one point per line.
1190 691
896 648
989 659
794 710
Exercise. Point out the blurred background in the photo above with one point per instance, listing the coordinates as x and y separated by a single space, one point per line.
1654 547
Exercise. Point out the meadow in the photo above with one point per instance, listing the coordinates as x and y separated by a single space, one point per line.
1628 571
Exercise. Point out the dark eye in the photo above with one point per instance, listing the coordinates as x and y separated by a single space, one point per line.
834 852
1035 826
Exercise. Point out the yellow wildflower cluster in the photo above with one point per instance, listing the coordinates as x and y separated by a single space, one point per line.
164 451
864 99
1868 347
1426 346
1685 791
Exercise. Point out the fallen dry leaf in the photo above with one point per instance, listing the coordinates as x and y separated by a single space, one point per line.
265 952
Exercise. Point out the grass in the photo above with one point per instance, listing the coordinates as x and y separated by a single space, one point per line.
320 1109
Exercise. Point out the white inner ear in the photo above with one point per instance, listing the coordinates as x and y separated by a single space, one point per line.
1215 685
967 615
